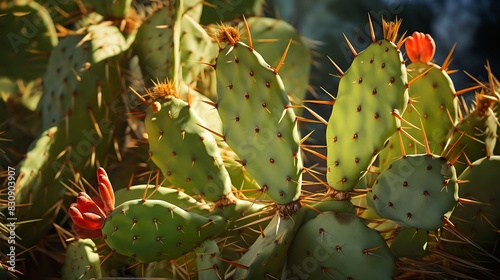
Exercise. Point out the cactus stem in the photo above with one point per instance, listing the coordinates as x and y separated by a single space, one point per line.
287 210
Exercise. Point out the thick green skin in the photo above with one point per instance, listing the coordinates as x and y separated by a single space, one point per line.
333 245
47 168
481 127
267 256
82 261
197 46
155 230
416 191
176 139
66 79
270 38
409 243
433 103
478 222
169 195
158 48
361 122
29 35
208 262
258 126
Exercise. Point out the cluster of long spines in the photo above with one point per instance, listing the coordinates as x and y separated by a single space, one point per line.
137 227
338 246
82 261
476 217
474 136
432 99
372 94
416 191
63 154
186 153
259 123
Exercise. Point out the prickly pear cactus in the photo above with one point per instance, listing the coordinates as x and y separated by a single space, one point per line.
186 153
372 93
62 153
82 261
432 101
136 227
259 123
416 191
340 246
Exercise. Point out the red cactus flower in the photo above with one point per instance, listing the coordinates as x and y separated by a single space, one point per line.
88 214
420 47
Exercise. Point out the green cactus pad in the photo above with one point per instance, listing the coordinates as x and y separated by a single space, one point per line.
270 38
186 153
416 191
208 262
157 44
154 230
374 86
82 261
259 125
170 195
339 246
479 222
409 243
434 102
